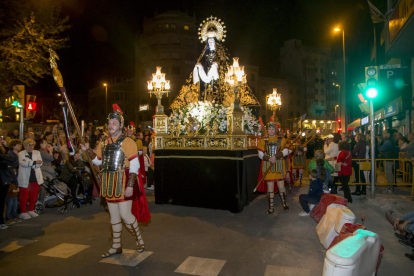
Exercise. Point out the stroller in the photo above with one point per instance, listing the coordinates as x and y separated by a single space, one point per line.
53 193
73 185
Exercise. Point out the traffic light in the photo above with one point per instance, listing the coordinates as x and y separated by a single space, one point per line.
339 130
371 80
18 96
31 106
339 125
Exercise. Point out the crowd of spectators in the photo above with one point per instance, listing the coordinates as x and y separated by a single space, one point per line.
23 171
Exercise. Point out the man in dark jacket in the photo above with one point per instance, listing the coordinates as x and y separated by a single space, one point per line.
314 195
359 152
388 151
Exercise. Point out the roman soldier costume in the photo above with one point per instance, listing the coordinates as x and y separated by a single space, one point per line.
268 148
118 158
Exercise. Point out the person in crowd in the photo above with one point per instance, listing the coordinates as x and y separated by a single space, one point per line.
404 227
332 151
46 151
359 152
30 135
409 149
47 130
6 178
314 194
15 134
5 135
29 178
396 136
324 174
345 159
48 136
402 143
320 154
146 141
139 127
388 151
29 129
64 152
148 169
15 146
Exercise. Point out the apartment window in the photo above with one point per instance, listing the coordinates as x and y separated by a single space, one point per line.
322 103
173 26
322 81
322 91
316 102
186 28
316 69
290 114
297 114
321 70
316 91
167 26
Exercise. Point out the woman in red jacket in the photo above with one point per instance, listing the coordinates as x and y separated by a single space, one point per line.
345 158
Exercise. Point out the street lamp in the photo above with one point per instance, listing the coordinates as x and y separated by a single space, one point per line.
235 77
159 86
344 84
106 98
274 101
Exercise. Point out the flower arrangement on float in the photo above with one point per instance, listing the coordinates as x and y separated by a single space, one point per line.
208 113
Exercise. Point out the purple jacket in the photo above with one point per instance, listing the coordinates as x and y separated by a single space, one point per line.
359 150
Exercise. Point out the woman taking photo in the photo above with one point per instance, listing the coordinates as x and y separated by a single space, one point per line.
345 162
30 177
359 152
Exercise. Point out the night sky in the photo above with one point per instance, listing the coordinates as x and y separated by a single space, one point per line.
102 35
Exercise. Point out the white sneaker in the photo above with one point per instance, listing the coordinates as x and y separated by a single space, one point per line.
151 188
24 216
311 206
3 226
303 214
32 214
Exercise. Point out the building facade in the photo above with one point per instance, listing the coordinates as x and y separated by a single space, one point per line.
119 91
317 79
168 40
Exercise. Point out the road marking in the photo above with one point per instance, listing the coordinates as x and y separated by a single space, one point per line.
64 250
272 270
128 258
14 245
201 266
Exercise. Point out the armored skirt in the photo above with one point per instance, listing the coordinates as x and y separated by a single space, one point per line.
113 187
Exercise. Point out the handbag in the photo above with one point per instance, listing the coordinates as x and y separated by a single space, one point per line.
339 165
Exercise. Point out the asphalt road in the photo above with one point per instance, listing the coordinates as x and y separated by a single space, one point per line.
184 240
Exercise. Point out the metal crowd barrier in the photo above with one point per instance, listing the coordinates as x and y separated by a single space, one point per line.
388 172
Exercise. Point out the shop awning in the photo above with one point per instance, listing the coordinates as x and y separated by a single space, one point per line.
354 124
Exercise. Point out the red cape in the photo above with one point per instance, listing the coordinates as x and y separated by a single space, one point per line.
142 168
140 206
263 186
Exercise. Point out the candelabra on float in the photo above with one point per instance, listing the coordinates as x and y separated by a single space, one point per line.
236 78
274 102
159 86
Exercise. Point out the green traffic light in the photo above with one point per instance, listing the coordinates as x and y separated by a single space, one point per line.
16 103
372 92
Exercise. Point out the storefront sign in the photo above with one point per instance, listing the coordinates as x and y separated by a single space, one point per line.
391 110
364 120
144 107
379 115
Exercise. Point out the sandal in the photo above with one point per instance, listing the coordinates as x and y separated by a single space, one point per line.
117 250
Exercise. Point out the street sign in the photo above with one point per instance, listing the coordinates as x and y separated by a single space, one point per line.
389 74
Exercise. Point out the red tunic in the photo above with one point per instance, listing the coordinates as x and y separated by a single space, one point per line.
345 157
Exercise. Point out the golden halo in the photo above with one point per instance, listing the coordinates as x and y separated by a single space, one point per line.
212 27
